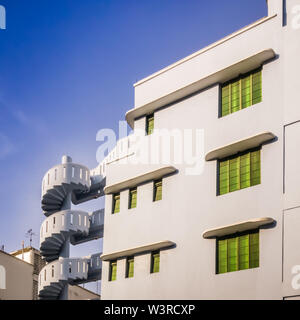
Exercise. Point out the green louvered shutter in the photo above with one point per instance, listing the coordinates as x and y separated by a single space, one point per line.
246 92
232 244
234 174
130 267
245 170
222 256
225 100
155 262
244 252
238 252
113 271
239 172
116 203
256 87
157 190
235 96
150 124
241 93
254 250
223 177
255 167
133 198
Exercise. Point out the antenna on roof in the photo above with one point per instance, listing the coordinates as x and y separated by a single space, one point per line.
29 235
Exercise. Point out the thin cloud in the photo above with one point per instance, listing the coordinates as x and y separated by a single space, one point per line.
6 146
32 122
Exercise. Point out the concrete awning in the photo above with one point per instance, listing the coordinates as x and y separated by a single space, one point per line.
239 146
135 181
237 227
141 249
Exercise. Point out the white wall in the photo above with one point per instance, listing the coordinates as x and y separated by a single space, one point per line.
190 205
225 54
19 280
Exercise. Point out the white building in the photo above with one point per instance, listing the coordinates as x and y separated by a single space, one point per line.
174 228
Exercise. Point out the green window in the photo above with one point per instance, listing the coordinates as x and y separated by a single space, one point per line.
238 252
113 271
155 259
241 92
130 267
132 198
157 190
150 124
239 171
116 203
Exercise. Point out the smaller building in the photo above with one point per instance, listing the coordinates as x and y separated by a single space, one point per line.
33 257
16 278
19 277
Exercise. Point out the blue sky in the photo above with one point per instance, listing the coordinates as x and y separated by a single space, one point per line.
67 69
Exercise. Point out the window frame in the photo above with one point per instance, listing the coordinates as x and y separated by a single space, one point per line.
155 182
239 78
233 236
152 264
235 156
132 190
111 264
148 118
114 196
128 260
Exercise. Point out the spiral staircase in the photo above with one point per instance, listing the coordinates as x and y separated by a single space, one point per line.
65 183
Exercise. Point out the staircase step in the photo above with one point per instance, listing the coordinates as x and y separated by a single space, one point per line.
50 248
57 192
45 293
46 201
54 241
53 291
51 207
57 285
65 187
51 258
63 236
49 212
61 191
58 238
50 242
52 196
49 253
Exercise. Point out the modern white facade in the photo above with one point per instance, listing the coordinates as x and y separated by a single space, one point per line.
185 226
